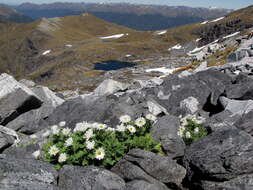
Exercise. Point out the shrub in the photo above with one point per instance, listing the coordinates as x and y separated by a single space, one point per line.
97 144
191 129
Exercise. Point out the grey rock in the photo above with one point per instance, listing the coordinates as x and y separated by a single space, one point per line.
90 178
245 123
185 74
27 123
28 83
190 105
24 174
220 157
167 125
205 86
5 141
156 108
223 120
23 150
143 185
130 172
15 99
244 182
47 96
110 86
242 90
173 145
150 83
237 107
162 168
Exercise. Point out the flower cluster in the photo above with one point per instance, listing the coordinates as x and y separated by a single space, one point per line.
191 128
96 143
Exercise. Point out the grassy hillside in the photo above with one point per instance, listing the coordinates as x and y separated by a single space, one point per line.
74 43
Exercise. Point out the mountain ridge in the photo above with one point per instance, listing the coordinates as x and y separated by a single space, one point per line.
151 17
11 14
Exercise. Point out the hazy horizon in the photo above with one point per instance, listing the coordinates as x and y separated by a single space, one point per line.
232 4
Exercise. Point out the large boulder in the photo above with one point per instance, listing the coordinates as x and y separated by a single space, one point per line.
222 157
243 182
165 131
15 99
190 105
237 107
144 185
245 123
162 168
165 125
28 122
24 174
5 141
47 96
110 86
92 178
205 87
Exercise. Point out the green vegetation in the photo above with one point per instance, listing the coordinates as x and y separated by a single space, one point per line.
191 129
97 144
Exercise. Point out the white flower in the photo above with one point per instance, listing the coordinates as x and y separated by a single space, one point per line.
33 137
101 126
188 135
53 150
121 128
89 134
95 125
196 130
55 130
131 129
100 154
125 118
90 145
46 133
62 158
181 131
66 131
62 123
36 154
200 120
151 117
69 142
110 129
140 122
83 126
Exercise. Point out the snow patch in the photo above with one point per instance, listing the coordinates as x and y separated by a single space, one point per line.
178 46
217 19
69 45
163 70
116 36
197 40
162 32
46 52
128 55
205 22
231 35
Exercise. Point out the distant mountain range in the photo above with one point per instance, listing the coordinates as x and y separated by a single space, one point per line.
140 17
10 14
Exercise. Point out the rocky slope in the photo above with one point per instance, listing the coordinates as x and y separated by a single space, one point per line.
140 17
221 95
